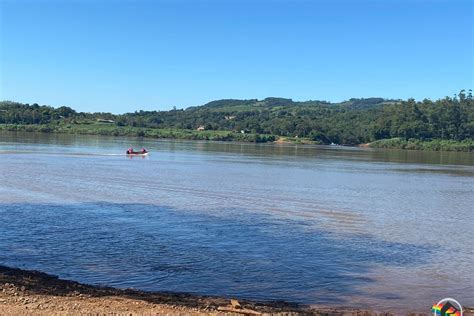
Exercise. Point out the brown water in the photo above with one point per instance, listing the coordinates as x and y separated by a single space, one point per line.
386 229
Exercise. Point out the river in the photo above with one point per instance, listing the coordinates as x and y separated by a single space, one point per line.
323 225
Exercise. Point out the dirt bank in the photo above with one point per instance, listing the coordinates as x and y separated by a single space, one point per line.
35 293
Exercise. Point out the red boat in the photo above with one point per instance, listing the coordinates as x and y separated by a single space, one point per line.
142 152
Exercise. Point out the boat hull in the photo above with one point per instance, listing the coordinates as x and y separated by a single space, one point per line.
137 154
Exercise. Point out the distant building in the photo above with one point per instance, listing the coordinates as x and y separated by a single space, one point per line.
105 121
230 117
201 128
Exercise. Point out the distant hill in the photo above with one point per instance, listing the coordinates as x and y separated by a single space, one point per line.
273 102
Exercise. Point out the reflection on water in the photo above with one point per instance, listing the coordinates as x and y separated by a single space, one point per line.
322 225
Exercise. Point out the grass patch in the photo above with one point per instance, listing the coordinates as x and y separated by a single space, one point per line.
113 130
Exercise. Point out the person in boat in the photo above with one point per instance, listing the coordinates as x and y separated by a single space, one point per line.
144 151
130 151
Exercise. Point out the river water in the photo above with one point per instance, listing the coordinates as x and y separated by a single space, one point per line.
332 226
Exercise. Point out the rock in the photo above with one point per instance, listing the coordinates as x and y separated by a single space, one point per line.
235 304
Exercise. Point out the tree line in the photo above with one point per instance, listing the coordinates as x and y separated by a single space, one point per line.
350 122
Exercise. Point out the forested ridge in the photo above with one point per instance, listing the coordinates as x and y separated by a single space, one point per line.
351 122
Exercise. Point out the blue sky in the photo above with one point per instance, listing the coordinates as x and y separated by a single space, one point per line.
121 56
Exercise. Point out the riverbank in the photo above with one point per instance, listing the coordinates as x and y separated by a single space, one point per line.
431 145
35 293
105 129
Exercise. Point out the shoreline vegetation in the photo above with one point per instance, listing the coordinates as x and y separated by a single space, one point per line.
466 145
442 125
32 292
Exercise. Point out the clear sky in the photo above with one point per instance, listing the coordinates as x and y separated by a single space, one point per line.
121 56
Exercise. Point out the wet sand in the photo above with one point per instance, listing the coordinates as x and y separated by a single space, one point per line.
35 293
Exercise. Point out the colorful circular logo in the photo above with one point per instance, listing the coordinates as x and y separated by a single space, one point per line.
447 307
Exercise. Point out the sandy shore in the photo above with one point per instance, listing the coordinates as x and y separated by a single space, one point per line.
35 293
